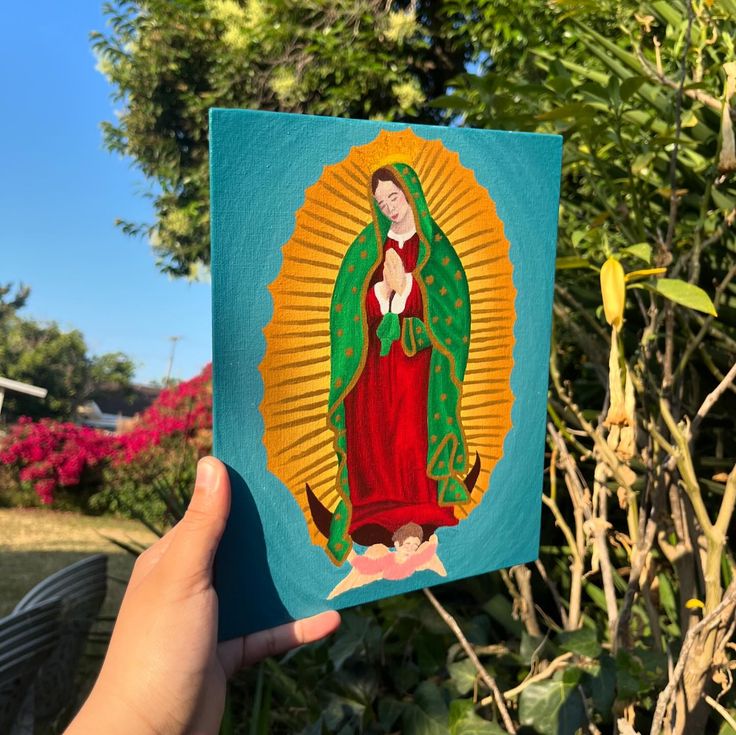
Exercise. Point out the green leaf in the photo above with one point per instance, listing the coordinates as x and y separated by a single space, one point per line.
603 685
595 593
583 641
577 237
465 721
574 111
567 262
389 710
722 201
641 250
630 86
664 10
349 638
641 162
639 672
452 102
428 714
531 646
501 610
685 294
463 675
553 707
667 598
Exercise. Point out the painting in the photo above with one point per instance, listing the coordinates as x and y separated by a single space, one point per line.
400 436
374 418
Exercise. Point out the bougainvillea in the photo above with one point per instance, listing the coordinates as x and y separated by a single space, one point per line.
50 454
184 411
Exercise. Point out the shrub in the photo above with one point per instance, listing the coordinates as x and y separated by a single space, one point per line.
138 473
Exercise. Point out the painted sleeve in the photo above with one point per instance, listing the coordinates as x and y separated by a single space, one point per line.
382 301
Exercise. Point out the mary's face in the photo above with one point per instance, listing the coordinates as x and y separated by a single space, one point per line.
391 201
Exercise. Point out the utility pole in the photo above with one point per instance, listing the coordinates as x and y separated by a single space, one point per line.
174 340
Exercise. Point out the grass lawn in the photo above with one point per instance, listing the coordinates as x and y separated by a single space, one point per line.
35 542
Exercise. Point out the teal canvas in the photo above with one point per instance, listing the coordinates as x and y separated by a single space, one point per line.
382 300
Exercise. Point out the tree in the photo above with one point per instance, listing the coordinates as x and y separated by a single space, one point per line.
640 413
625 623
8 305
45 355
170 62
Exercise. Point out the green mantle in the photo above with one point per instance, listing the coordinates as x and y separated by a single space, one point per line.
445 330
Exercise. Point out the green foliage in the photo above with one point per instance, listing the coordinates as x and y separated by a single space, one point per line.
686 294
637 91
10 305
154 489
43 354
170 62
554 706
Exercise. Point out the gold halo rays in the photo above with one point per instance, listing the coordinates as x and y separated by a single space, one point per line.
296 365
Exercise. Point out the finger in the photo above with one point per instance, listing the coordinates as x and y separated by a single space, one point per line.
192 550
241 652
147 560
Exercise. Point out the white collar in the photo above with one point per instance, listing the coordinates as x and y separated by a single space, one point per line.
401 237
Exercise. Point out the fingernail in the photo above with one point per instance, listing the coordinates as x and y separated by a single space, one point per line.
206 473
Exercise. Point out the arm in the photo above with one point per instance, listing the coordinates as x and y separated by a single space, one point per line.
435 565
430 560
164 646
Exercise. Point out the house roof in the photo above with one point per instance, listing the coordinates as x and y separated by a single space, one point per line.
124 401
18 387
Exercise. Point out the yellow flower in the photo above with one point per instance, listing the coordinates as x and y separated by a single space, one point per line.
284 84
401 25
613 290
408 94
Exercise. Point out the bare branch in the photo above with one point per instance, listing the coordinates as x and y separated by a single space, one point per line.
713 620
554 665
712 397
552 587
656 74
489 681
522 574
722 711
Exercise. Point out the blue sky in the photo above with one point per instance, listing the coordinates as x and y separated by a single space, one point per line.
60 193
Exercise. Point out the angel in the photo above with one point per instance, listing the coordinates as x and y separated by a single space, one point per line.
411 555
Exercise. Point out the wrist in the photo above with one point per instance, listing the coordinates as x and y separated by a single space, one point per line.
113 710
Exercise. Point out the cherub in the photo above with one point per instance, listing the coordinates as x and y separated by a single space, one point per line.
411 555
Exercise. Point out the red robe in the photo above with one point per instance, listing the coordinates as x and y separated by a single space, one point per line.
386 426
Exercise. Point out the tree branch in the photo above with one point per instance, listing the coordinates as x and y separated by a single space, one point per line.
554 665
722 711
489 681
714 619
712 397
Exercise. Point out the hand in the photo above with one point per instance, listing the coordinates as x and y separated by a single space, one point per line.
393 271
164 672
384 288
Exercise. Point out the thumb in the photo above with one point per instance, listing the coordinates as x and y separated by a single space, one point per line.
197 535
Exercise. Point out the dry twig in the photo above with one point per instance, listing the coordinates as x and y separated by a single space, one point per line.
489 681
713 620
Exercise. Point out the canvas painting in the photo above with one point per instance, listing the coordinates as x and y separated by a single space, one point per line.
381 305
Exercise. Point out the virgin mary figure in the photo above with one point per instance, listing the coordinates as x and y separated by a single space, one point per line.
399 333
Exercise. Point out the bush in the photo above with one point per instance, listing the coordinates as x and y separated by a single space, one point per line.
145 472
